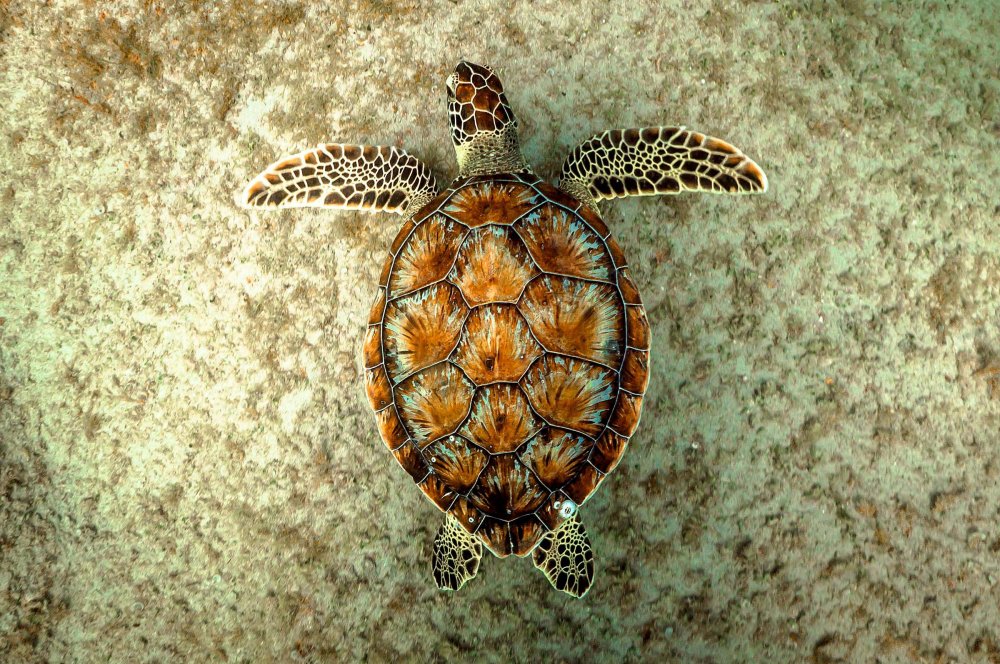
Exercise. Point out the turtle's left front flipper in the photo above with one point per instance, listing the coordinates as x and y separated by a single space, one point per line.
351 177
657 160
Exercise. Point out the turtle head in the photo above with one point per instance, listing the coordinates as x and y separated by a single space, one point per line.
483 126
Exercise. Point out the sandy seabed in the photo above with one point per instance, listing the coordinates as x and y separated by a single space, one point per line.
188 467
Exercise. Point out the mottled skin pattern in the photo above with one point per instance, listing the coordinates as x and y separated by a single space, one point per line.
507 352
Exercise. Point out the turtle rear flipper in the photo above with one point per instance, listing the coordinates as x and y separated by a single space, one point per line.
351 177
456 555
657 160
565 558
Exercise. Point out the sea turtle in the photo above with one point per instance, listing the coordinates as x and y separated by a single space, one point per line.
507 352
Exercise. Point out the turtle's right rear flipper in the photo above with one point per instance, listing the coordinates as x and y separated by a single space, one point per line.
351 177
565 557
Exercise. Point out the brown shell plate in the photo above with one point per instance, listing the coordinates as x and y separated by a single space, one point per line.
506 356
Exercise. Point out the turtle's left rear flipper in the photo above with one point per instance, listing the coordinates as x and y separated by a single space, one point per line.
351 177
456 555
657 160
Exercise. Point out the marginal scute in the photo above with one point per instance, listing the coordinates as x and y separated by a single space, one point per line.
422 329
431 207
390 428
629 291
575 317
434 402
496 345
426 255
608 451
500 419
553 511
402 236
561 243
635 371
637 326
492 266
383 278
525 533
571 393
412 462
438 491
466 514
617 255
377 388
496 536
595 221
556 195
584 484
625 416
373 346
378 308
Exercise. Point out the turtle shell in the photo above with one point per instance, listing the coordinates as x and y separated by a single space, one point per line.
506 356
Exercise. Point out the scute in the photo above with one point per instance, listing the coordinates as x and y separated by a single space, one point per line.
584 483
635 371
422 328
439 492
580 318
507 489
495 534
506 356
411 460
492 266
625 415
434 402
501 419
562 243
525 533
490 202
426 255
571 393
608 451
456 461
391 428
556 456
496 345
467 514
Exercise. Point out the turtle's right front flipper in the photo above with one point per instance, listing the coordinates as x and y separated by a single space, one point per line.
351 177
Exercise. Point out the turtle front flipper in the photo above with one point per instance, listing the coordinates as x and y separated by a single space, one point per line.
657 160
565 557
351 177
456 555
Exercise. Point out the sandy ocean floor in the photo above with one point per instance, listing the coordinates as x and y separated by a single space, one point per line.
189 470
